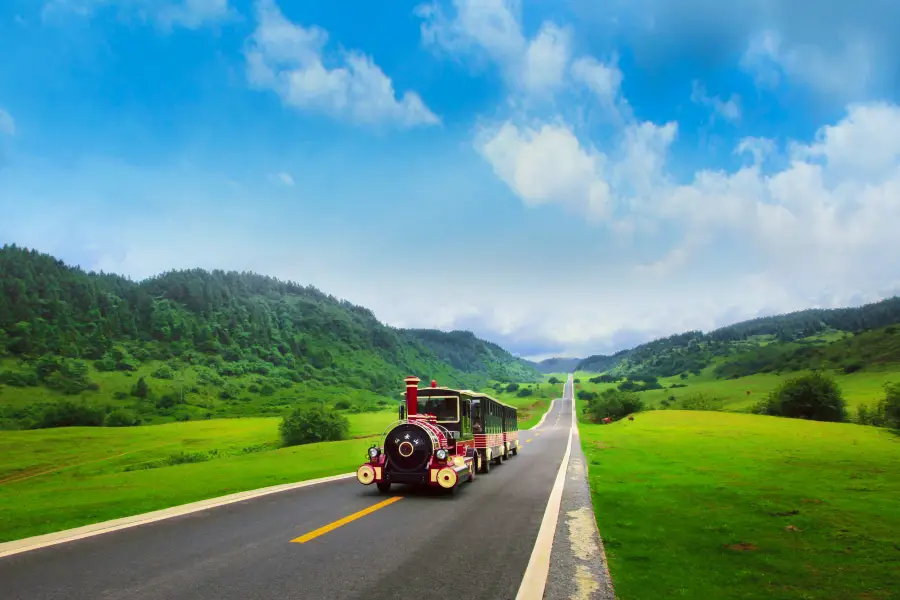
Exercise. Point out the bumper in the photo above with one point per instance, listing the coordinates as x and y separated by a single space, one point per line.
445 476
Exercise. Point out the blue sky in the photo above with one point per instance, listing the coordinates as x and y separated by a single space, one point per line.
586 176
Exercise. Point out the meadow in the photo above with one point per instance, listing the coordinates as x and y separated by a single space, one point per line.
697 504
862 387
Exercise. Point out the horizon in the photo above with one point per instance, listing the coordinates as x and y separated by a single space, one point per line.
588 179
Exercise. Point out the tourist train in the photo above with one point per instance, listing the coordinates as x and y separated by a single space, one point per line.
444 437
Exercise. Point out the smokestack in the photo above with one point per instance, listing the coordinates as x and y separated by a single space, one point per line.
433 383
412 395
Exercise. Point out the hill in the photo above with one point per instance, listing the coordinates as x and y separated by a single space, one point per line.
792 341
556 365
197 344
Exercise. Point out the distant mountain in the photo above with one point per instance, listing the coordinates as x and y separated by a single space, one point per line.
555 365
694 350
249 344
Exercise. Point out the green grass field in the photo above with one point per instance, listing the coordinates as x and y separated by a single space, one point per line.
531 408
53 479
732 506
862 387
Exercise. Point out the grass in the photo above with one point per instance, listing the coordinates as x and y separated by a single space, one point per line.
530 409
54 479
721 505
862 387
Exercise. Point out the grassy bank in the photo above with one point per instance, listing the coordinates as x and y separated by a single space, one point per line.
864 387
54 479
717 505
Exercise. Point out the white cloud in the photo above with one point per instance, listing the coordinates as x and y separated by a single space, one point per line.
491 28
547 165
729 109
285 178
758 147
7 123
604 80
289 60
190 14
843 72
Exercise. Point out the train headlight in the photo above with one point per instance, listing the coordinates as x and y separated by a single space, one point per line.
441 454
374 452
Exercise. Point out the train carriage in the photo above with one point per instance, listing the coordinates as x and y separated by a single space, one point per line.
443 438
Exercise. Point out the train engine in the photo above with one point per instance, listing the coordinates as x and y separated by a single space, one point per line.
431 444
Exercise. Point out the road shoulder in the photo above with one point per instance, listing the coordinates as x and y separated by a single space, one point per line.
578 567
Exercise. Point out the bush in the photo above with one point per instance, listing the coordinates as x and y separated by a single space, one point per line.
120 417
71 414
163 373
342 405
311 425
816 397
701 402
523 392
553 380
614 404
512 387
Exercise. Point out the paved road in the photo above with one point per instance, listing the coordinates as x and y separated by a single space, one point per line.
419 546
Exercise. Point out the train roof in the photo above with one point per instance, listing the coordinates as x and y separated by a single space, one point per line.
473 394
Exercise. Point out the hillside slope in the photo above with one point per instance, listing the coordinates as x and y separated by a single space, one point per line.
761 338
65 332
556 365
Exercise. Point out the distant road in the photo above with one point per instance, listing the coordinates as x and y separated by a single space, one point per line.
412 545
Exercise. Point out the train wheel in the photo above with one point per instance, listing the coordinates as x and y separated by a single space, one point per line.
485 463
384 486
472 469
505 455
515 451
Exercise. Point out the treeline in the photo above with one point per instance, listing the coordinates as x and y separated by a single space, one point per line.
58 323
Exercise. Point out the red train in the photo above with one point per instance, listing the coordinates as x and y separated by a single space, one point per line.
443 438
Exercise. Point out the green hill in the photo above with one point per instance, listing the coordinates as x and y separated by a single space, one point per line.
794 341
556 365
197 344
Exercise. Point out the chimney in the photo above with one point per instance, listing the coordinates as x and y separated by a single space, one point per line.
412 395
433 383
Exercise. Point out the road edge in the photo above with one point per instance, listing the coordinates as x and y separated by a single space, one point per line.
70 535
85 531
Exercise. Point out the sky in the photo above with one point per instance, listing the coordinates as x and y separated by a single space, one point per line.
578 177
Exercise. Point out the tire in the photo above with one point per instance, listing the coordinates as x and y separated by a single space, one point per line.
485 463
515 451
384 486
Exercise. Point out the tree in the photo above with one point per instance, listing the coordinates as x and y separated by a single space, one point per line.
314 424
815 396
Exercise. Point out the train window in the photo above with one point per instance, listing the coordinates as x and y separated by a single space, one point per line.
445 408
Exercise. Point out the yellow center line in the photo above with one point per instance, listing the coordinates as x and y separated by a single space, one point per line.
528 440
341 522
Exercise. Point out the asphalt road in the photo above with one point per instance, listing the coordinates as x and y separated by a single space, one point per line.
477 542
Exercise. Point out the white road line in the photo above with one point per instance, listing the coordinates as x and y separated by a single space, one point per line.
544 416
69 535
535 579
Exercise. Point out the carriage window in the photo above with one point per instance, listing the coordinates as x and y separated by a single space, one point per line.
446 409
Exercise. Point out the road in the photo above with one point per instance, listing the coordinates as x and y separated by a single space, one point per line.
423 544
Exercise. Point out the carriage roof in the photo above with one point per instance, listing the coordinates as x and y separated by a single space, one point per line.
472 394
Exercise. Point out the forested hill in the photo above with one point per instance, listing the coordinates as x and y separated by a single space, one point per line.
469 354
60 324
556 365
693 350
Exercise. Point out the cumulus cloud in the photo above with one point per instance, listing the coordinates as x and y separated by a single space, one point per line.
7 123
289 60
190 14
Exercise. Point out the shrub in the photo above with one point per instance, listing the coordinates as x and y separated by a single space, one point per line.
120 417
892 404
342 405
71 414
163 373
314 424
701 402
816 397
553 380
614 404
512 387
522 393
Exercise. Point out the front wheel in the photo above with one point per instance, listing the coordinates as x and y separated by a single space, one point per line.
384 486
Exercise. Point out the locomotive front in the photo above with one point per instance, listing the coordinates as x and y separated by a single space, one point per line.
415 450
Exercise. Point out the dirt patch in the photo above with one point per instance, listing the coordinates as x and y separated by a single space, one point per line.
602 445
742 547
792 528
